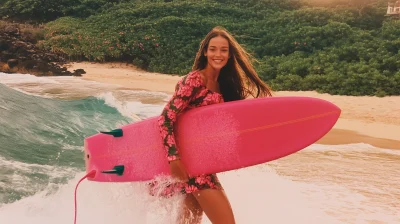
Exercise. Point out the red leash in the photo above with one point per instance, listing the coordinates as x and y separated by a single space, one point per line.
90 174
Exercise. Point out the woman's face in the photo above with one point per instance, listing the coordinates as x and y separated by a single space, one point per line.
217 53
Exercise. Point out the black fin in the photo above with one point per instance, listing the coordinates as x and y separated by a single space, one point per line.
116 133
119 170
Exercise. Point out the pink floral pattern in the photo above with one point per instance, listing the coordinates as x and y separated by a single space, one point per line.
190 92
194 184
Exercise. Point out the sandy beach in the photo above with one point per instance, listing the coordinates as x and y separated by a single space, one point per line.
364 119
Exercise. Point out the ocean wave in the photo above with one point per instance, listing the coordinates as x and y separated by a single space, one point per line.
134 108
17 78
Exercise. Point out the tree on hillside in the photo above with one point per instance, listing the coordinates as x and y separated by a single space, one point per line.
47 10
362 4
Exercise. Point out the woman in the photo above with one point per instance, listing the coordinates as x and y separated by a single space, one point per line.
222 72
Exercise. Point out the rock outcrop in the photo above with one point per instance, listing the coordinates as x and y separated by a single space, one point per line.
19 54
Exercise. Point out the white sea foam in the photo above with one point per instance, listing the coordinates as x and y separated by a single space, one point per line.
17 78
132 109
52 171
257 194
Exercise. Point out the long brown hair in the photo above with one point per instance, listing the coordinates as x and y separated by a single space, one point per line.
238 78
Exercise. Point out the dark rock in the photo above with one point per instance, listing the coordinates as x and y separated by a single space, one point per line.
78 72
12 63
3 45
5 56
19 54
28 64
10 29
43 67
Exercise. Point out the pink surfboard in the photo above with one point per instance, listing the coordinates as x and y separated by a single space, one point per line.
212 139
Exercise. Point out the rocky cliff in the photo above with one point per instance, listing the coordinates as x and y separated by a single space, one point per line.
19 54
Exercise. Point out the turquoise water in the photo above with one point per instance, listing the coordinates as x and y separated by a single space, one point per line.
41 139
43 121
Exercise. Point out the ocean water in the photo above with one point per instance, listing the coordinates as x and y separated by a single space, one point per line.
43 121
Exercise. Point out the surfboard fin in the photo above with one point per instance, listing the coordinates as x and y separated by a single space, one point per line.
119 170
116 133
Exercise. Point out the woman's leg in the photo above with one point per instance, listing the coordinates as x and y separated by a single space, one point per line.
191 212
203 193
216 206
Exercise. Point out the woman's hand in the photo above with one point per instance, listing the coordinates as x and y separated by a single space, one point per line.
178 170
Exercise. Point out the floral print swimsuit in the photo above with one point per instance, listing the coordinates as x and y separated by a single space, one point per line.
190 92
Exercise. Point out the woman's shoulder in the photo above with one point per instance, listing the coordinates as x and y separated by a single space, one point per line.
192 79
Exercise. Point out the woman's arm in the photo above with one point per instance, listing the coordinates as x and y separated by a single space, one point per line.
185 91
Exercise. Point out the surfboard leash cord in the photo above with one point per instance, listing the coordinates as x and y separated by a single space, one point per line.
91 174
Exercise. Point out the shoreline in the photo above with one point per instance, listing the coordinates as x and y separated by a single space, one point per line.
364 119
338 136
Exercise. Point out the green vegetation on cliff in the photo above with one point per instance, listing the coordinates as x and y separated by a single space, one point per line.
350 49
